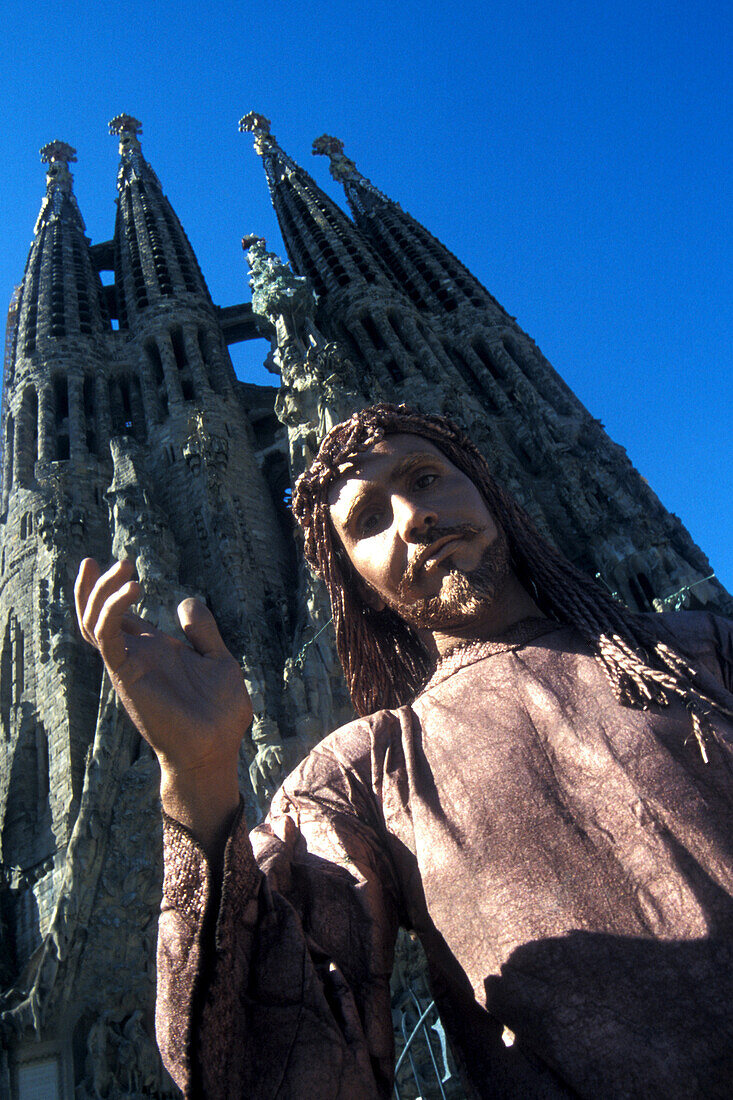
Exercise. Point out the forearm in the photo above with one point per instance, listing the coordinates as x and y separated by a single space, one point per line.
247 1014
247 1003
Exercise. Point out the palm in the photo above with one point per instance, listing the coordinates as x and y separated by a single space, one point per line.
188 705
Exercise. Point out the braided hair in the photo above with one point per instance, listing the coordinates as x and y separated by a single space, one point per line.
384 660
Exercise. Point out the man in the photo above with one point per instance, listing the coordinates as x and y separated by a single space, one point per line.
541 787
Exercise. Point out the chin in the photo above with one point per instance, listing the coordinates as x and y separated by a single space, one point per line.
459 603
464 598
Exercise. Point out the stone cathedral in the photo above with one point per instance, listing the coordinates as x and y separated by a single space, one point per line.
126 432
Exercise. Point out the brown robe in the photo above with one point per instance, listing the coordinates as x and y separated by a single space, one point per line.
567 863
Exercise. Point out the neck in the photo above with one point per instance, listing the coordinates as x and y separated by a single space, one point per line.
512 604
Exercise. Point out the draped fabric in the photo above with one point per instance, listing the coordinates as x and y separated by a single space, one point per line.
567 863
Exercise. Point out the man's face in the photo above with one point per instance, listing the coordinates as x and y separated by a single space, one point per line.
418 533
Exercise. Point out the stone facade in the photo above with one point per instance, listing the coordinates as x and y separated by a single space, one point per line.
126 432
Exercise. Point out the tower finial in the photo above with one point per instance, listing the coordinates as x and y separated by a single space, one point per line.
59 180
341 166
259 125
59 152
127 128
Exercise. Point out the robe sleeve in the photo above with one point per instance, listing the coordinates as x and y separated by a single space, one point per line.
277 984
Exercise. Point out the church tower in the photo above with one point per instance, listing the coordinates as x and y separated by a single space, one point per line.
54 477
179 387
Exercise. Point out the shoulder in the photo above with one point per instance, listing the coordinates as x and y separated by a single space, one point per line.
696 631
702 636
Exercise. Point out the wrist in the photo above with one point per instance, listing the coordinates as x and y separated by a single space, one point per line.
204 799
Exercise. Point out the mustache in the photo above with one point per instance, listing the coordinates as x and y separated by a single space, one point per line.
427 541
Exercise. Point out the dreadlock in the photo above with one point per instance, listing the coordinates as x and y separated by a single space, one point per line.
385 662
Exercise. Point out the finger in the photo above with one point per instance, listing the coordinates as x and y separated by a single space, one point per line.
109 634
120 574
86 578
199 626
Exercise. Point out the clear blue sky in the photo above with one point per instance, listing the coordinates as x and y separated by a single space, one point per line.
575 156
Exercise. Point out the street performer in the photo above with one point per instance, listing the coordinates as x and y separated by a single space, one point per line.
540 785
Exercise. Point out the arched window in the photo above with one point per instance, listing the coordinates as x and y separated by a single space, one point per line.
82 292
6 678
210 359
184 255
184 367
61 403
58 317
27 837
645 586
398 329
156 362
470 377
156 242
42 769
28 454
136 267
89 414
487 359
9 452
539 376
395 371
18 662
373 332
31 295
137 409
126 406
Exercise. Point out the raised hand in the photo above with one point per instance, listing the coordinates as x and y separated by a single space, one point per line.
187 700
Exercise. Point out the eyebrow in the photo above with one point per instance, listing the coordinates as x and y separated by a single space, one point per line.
415 458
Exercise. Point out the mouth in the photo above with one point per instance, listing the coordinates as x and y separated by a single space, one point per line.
436 552
432 555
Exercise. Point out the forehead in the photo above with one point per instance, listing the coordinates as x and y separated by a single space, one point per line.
375 466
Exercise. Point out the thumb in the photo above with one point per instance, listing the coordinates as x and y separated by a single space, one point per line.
199 626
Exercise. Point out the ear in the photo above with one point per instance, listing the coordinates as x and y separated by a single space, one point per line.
369 595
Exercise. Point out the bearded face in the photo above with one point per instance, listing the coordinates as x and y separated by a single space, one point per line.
419 535
463 596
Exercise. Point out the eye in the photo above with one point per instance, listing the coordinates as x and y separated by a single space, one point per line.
369 521
424 479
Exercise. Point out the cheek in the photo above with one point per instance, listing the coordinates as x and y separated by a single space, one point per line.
474 508
377 564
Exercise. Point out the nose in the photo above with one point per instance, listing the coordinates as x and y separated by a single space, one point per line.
412 520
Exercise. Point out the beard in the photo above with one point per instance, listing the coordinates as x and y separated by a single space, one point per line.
462 596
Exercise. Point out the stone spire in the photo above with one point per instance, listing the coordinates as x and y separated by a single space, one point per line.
52 506
60 201
424 268
321 240
132 162
154 260
61 294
